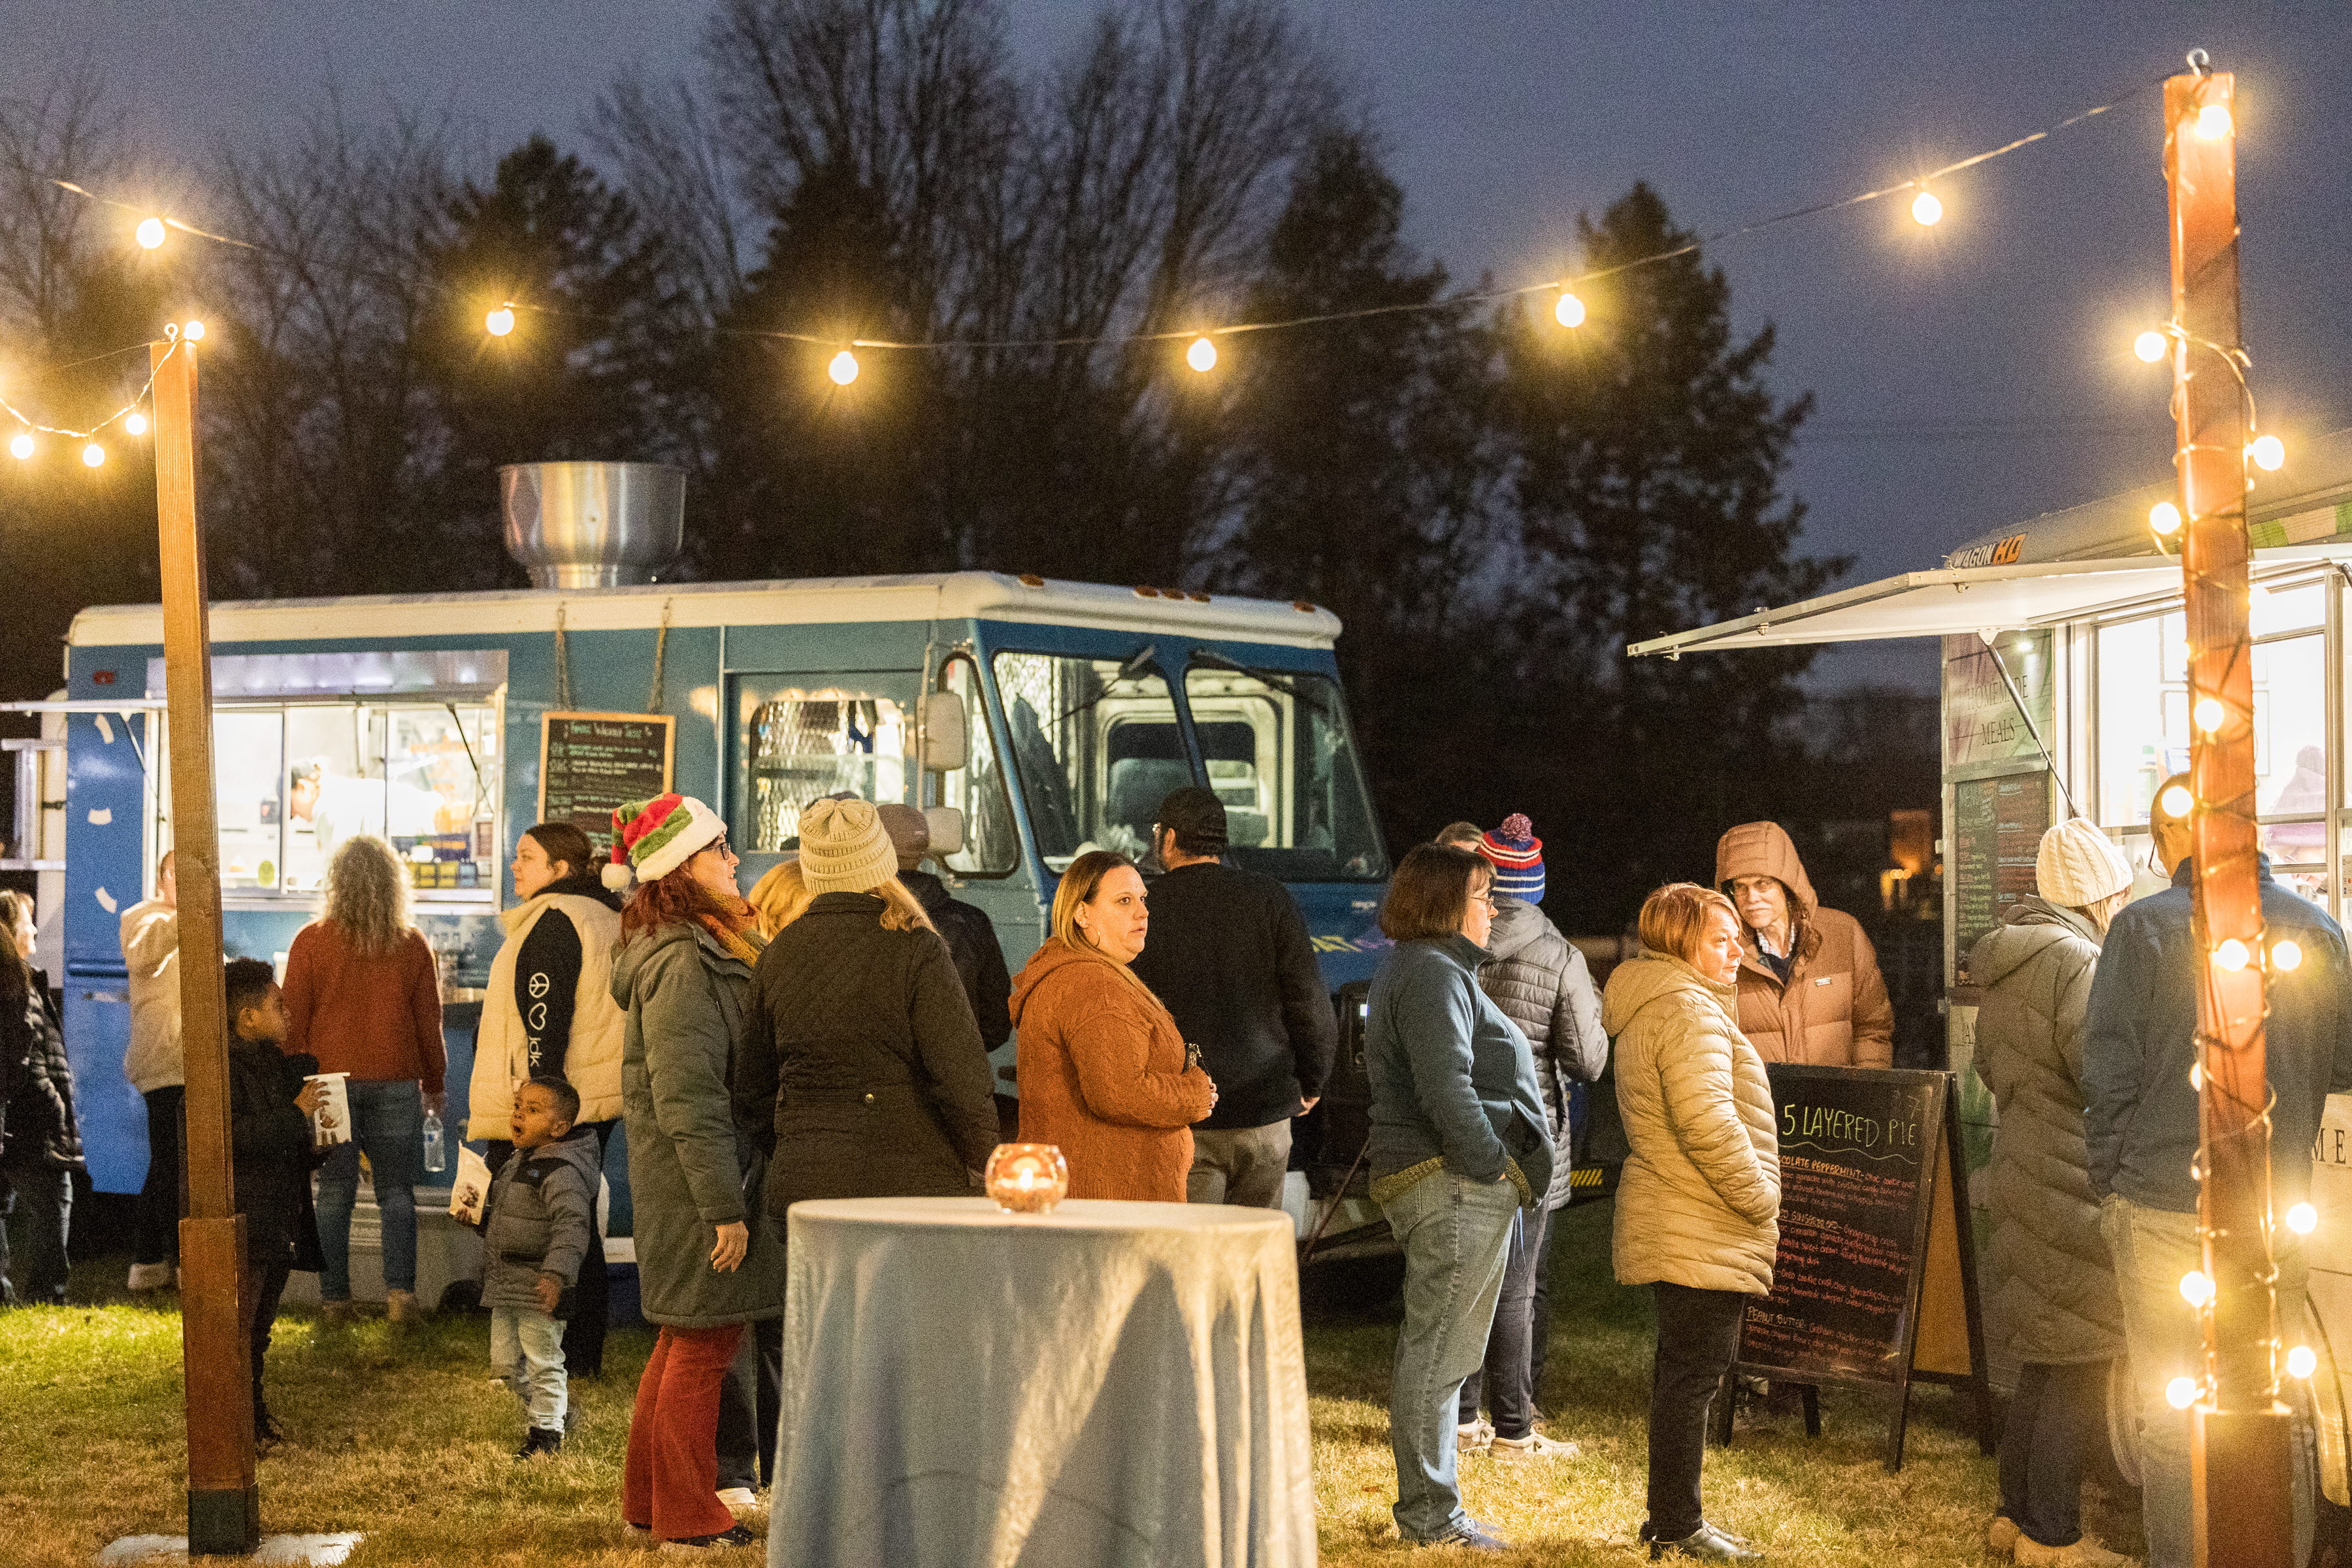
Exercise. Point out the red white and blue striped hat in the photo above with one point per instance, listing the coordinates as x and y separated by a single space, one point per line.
1517 857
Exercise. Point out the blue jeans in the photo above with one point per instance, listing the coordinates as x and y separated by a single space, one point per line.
1456 1234
527 1350
388 1126
41 1199
2152 1249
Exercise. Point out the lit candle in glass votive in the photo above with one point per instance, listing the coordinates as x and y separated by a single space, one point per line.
1027 1178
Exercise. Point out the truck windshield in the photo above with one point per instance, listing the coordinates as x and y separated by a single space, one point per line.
1279 755
1096 747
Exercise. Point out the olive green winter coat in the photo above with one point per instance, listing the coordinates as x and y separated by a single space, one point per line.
691 1167
2048 1288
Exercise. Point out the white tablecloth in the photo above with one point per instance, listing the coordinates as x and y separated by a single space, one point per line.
1112 1383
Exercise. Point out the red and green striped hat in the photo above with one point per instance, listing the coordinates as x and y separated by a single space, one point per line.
651 839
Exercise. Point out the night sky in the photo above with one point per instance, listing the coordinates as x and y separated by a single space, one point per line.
1967 376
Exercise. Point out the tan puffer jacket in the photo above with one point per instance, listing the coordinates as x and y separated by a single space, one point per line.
1833 1010
1698 1199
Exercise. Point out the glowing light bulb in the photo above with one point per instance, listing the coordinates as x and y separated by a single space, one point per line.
1927 210
2150 346
94 455
2195 1287
2302 1219
2177 800
1201 355
2210 713
2180 1393
2268 452
1570 311
2301 1361
2197 1077
844 368
194 332
500 323
2165 518
2213 121
21 446
2231 955
150 232
2285 956
136 424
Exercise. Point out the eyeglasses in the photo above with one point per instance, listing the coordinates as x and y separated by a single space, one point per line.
1485 899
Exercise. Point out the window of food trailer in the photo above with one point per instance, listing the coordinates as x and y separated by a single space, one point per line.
992 843
2142 730
804 745
1096 746
1279 755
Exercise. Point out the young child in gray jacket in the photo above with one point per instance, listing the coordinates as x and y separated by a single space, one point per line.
536 1231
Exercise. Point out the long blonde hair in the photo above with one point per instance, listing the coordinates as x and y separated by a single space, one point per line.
783 896
1079 885
367 894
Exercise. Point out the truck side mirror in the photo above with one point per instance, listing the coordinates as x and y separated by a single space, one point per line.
946 823
945 740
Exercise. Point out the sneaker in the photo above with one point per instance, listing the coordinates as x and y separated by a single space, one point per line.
735 1536
1472 1534
146 1276
1472 1436
2087 1553
1533 1446
1705 1543
541 1440
400 1306
739 1500
2000 1535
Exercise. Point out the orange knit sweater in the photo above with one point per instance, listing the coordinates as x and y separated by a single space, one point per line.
375 1016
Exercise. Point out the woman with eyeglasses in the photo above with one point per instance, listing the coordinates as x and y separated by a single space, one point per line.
707 1263
1459 1146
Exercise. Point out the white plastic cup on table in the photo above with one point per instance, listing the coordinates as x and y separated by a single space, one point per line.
333 1123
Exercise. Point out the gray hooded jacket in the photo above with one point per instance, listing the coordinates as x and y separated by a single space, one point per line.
541 1219
1542 983
2050 1291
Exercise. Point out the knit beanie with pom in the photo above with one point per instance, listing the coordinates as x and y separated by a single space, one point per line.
2078 865
1517 857
845 847
651 839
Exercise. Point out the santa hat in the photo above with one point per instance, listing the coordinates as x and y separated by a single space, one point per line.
1517 857
651 839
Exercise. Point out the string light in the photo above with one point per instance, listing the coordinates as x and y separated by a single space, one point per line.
2210 713
2180 1393
194 332
94 455
1570 311
21 446
1202 356
2301 1361
1927 209
2165 518
2302 1219
500 323
2268 452
2197 1077
2213 121
136 424
2176 800
844 368
2150 346
150 232
2195 1287
2285 956
2231 955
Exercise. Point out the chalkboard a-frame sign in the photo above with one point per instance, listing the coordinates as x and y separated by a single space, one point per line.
592 764
1875 1284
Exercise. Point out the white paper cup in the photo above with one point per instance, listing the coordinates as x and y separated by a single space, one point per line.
333 1123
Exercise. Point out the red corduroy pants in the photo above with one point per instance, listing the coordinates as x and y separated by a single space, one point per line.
670 1481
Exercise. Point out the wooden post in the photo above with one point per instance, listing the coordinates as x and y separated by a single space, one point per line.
223 1504
2239 1444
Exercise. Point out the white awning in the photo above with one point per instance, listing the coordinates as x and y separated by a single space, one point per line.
1956 601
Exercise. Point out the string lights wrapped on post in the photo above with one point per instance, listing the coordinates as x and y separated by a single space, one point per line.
2238 1431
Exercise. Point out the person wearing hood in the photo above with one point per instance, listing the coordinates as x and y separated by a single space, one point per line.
2050 1304
1542 983
549 1013
1460 1149
1699 1200
1106 1077
539 1229
707 1261
1810 990
150 935
970 934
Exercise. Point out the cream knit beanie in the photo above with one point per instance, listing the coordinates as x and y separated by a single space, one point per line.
2079 865
844 848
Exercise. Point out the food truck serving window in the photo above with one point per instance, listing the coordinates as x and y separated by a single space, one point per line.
296 780
1097 748
1280 757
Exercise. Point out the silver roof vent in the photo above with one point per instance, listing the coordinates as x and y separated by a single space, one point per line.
592 525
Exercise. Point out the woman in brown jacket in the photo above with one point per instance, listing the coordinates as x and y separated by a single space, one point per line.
1809 985
1104 1073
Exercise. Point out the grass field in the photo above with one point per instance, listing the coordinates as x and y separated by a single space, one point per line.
409 1439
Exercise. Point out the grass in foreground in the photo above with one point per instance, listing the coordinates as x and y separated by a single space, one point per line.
409 1440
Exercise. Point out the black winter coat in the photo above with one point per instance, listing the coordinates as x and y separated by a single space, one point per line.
865 1062
41 1131
979 959
269 1139
1228 953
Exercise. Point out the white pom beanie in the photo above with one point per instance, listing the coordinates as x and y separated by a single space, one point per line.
2079 865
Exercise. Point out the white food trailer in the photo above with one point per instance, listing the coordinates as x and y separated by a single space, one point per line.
2064 689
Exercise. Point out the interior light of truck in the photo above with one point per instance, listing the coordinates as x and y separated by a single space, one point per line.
2210 713
1570 311
2150 346
2180 1393
1927 209
2231 955
2213 121
2268 452
2285 955
1201 355
2301 1361
150 232
21 445
844 368
2302 1219
2195 1287
2165 518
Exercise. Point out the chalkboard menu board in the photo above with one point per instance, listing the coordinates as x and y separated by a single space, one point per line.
1996 834
1874 1282
590 764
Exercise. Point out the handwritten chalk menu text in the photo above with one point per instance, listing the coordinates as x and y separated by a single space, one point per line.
590 764
1996 832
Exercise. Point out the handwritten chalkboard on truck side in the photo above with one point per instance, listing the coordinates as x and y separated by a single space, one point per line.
1875 1283
592 764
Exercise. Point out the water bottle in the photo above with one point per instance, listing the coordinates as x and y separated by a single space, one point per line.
436 1159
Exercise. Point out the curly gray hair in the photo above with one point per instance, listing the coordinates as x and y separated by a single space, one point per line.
367 894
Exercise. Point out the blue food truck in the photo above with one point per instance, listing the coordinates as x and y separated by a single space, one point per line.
1030 719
